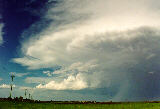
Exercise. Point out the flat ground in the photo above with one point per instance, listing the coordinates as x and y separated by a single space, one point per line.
24 105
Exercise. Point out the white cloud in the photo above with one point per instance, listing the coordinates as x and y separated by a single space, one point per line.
1 33
78 67
48 73
19 74
73 77
24 88
151 72
120 36
96 58
6 86
37 79
81 24
71 83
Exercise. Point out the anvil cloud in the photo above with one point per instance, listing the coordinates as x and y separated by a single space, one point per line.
99 44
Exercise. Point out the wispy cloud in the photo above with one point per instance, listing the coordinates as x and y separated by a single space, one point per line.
48 73
23 88
19 74
1 33
38 80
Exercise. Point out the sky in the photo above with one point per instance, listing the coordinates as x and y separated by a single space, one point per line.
98 50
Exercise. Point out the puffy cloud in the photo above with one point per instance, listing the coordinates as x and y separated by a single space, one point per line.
99 44
6 86
71 83
68 78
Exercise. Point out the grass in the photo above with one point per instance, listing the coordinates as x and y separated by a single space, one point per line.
25 105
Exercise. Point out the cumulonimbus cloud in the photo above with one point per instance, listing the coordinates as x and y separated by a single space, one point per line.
119 39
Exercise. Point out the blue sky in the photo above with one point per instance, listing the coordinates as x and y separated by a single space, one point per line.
80 50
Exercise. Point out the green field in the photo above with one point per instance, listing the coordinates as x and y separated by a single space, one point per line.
24 105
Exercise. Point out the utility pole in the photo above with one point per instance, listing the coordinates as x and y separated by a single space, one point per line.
29 95
25 93
12 77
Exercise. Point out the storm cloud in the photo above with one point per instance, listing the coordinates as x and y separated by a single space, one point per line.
99 44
